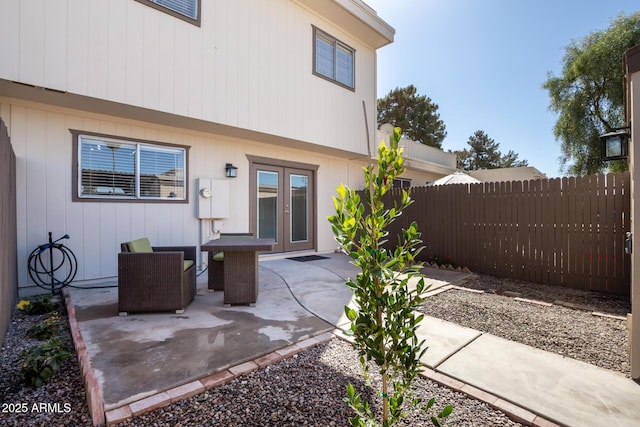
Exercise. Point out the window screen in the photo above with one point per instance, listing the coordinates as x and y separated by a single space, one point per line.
188 8
333 59
161 172
325 56
120 169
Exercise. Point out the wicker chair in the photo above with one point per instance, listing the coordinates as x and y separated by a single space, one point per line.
155 278
216 262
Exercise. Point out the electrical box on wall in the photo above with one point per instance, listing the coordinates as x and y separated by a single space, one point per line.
213 198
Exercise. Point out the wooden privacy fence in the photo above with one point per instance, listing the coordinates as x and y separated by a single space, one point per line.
8 231
563 231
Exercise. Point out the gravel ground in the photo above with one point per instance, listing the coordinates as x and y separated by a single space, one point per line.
61 402
308 389
573 333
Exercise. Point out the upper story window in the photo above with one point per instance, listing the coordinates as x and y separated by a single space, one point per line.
117 169
333 59
187 10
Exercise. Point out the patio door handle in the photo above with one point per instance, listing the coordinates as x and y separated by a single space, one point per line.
286 209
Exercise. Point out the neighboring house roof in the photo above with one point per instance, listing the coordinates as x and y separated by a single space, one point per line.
457 177
523 173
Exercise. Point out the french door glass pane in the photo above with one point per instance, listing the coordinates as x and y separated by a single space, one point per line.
299 191
268 205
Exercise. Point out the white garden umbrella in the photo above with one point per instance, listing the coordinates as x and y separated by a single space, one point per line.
456 178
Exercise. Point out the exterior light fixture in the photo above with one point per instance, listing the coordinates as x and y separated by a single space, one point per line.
615 144
231 171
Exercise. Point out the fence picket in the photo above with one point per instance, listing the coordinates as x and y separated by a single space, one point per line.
609 208
555 263
545 227
563 231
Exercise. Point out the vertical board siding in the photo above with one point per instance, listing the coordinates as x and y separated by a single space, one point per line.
249 64
563 231
44 198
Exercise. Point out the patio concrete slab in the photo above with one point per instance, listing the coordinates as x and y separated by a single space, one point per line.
142 354
443 339
563 390
319 287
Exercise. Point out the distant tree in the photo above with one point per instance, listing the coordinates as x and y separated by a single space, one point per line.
484 153
510 160
416 115
589 95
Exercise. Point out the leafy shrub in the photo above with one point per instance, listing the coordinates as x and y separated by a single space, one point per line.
42 304
42 361
44 330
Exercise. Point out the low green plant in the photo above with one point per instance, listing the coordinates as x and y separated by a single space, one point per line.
45 329
42 361
385 322
42 304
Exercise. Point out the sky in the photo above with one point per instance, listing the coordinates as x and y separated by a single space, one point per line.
483 62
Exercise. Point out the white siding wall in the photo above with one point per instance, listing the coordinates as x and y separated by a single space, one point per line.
42 143
249 65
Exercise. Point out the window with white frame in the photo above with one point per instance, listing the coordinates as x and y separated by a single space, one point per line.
333 60
110 168
188 10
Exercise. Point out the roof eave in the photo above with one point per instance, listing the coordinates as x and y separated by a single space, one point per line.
356 17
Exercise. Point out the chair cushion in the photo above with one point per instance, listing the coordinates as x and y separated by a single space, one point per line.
140 245
187 263
219 257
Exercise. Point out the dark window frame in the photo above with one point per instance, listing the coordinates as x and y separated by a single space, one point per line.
401 183
336 43
75 170
175 13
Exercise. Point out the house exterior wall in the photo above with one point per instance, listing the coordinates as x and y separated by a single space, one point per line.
418 178
240 84
424 164
248 66
43 146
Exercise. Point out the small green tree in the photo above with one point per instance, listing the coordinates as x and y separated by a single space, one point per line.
385 322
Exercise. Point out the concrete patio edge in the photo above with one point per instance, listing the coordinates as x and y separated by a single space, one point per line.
515 412
93 391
